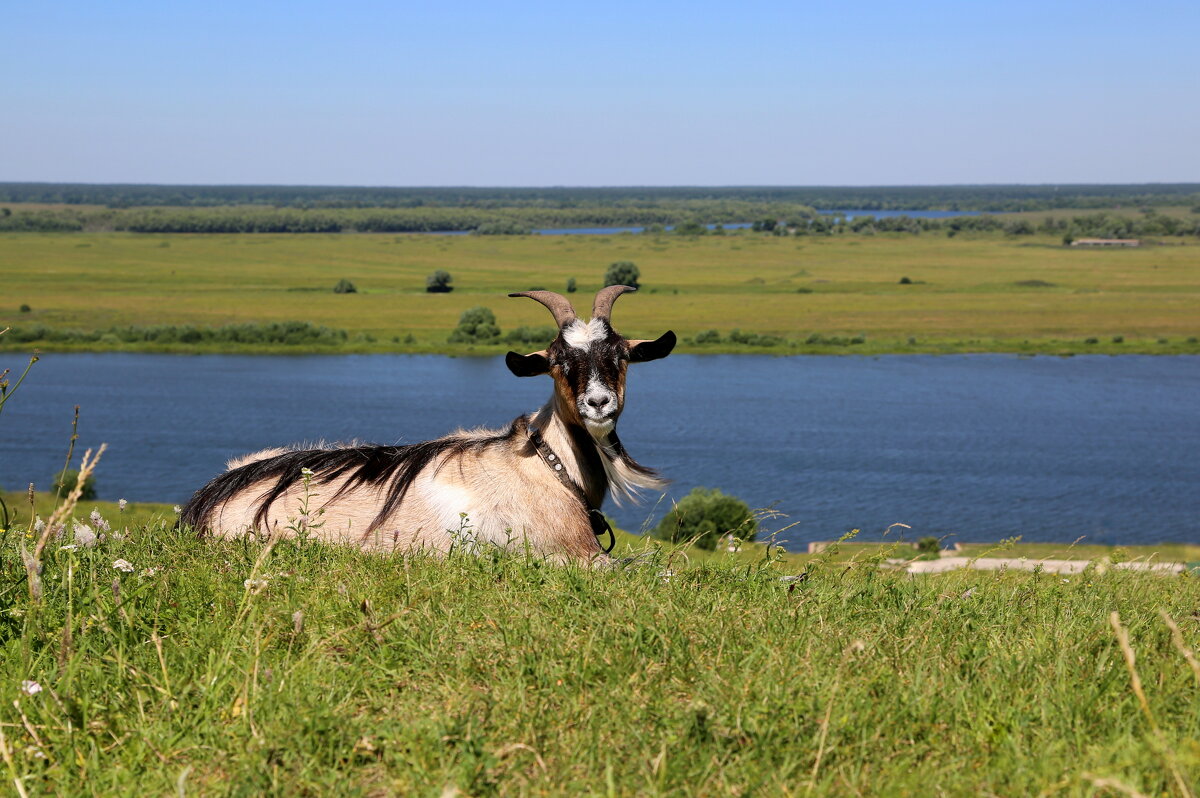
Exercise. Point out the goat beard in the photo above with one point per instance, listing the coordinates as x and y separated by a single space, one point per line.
600 430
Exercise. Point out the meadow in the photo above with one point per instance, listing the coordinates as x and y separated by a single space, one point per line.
974 292
154 663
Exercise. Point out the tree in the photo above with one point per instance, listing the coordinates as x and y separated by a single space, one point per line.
344 286
571 285
439 282
705 515
623 272
477 325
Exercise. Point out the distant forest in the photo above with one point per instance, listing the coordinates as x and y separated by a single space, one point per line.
949 198
497 211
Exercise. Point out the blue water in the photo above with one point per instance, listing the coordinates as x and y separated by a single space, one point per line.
852 213
979 446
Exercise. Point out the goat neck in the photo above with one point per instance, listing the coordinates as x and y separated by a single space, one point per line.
562 431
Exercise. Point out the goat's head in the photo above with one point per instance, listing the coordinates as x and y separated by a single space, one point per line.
588 359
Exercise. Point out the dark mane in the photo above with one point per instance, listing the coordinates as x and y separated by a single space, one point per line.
391 468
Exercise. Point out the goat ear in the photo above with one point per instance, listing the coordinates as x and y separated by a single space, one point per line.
641 351
527 365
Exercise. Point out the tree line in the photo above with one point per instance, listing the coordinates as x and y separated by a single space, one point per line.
995 198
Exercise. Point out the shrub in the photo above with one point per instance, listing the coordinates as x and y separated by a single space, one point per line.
531 335
439 282
622 272
1118 339
65 481
476 325
692 228
1091 340
905 281
705 515
26 309
753 339
928 545
707 337
344 286
502 229
571 286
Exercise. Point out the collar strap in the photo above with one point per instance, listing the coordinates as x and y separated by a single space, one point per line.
600 525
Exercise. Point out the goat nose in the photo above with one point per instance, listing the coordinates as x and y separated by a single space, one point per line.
597 401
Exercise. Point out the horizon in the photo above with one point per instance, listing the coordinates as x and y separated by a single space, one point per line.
574 187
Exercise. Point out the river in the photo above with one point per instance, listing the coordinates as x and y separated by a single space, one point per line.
977 446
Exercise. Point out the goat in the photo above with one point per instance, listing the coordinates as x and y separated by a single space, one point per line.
538 483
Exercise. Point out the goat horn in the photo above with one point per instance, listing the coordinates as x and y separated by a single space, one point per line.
602 306
557 304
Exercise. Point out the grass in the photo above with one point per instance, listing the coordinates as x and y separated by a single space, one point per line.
238 668
967 293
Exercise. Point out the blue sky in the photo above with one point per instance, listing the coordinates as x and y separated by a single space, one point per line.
752 93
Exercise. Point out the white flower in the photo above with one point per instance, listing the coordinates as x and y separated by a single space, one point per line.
39 527
121 505
255 586
306 472
84 535
123 565
666 575
30 687
98 521
150 571
68 547
178 509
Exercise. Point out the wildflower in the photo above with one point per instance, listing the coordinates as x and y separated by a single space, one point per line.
150 571
123 565
178 509
98 521
39 527
68 547
121 505
255 586
969 592
84 536
30 687
666 575
306 472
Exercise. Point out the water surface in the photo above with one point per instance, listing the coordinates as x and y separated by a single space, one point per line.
980 446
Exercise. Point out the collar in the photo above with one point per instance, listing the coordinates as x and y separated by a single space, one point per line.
600 525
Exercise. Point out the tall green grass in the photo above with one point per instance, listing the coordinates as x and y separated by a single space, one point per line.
219 667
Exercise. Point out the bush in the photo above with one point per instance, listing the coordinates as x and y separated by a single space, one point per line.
571 286
439 282
928 545
707 337
26 309
905 281
705 515
502 229
622 272
344 287
529 336
65 480
477 325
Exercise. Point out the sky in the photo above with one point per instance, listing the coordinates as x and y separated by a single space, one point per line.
600 94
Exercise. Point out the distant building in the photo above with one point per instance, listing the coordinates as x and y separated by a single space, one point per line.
1106 242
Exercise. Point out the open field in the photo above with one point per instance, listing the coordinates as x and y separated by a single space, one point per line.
221 666
967 293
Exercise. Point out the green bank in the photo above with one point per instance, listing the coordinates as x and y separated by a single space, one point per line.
155 663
